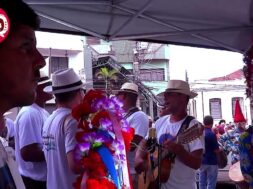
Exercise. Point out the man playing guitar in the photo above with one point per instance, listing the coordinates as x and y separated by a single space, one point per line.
187 157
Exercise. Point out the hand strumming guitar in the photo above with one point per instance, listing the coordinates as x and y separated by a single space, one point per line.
173 147
191 159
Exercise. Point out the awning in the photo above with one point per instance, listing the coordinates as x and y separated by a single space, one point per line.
218 24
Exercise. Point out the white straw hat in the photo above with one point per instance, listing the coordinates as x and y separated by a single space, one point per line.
179 86
129 88
65 80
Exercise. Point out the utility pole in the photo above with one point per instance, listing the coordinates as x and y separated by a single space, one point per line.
87 57
136 62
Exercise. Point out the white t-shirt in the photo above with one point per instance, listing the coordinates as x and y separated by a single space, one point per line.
57 142
28 130
181 176
138 121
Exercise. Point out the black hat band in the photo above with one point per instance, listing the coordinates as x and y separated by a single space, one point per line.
68 86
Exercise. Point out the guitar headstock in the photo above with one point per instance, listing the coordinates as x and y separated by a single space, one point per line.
190 134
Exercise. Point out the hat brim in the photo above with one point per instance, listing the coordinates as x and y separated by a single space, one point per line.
45 81
191 94
49 89
127 91
7 113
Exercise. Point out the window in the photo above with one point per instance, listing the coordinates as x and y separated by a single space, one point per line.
58 63
233 104
192 108
215 108
152 75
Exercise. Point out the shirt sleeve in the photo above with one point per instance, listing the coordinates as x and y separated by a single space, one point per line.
70 129
140 124
29 129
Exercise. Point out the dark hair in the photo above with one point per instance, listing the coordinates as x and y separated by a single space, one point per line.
20 13
208 120
66 97
222 121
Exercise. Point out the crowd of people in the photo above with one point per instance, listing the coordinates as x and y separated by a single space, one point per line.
44 143
233 140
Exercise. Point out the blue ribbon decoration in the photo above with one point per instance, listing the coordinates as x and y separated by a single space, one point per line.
107 159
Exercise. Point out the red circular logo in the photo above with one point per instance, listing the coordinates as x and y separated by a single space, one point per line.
4 25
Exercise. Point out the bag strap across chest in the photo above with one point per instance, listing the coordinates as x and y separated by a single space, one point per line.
185 124
131 111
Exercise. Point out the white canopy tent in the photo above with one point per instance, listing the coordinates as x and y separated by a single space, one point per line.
218 24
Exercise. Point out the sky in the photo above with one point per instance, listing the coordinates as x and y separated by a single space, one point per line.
202 63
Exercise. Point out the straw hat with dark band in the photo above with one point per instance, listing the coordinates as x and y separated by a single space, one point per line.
64 81
129 88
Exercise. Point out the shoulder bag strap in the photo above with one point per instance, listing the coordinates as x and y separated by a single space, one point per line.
185 124
130 112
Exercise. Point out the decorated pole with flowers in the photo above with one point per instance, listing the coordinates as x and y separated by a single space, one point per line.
248 72
103 139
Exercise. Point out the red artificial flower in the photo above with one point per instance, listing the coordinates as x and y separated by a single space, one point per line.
92 162
95 121
83 109
98 171
77 184
84 125
94 95
102 183
108 184
92 184
79 136
94 156
128 137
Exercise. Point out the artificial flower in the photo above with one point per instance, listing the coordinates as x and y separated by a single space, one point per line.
96 138
103 114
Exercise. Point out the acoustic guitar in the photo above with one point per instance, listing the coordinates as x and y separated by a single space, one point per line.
167 159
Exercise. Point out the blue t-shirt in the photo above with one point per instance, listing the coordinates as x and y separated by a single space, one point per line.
211 144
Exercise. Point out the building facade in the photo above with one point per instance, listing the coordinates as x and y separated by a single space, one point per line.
217 97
